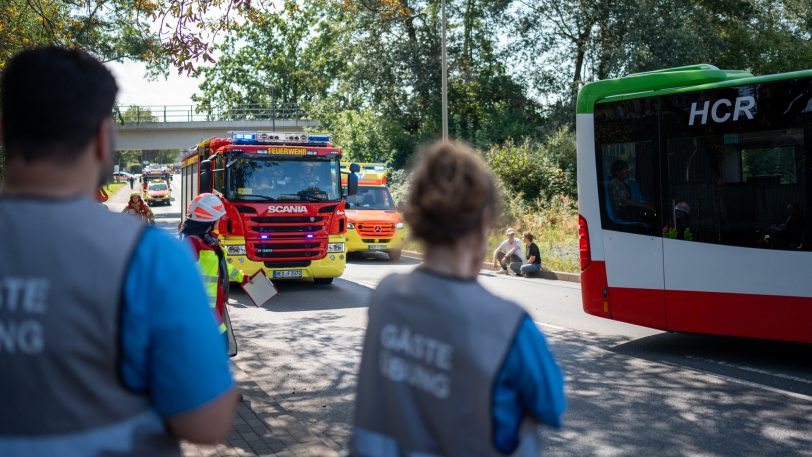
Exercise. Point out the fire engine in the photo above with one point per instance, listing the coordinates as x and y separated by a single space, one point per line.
284 201
373 223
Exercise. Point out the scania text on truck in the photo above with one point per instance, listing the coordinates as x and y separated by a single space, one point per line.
284 202
373 223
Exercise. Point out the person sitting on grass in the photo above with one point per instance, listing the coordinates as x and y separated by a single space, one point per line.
533 255
510 251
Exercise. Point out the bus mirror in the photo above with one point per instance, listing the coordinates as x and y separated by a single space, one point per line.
206 184
355 168
352 183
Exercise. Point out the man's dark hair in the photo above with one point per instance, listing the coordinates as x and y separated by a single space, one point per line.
52 102
529 236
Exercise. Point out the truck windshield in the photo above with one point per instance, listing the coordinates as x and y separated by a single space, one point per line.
260 179
370 198
157 187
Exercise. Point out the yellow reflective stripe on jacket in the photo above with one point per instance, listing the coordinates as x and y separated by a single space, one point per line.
209 269
234 274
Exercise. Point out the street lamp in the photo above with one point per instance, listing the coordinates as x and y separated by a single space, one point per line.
445 74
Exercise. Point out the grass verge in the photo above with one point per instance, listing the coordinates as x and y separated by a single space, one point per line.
555 231
112 188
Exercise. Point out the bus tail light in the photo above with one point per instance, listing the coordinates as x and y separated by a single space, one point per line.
583 243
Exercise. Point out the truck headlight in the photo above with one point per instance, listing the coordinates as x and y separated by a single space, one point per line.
236 249
350 225
399 225
335 247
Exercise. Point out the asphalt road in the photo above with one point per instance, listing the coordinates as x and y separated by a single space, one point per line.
632 391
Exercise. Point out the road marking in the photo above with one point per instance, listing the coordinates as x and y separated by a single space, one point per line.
557 327
696 369
741 381
751 369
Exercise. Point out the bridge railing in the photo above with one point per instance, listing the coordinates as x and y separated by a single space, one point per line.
196 113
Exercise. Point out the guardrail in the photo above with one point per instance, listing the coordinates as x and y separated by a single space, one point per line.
197 113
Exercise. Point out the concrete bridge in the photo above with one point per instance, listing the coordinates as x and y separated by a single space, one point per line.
181 126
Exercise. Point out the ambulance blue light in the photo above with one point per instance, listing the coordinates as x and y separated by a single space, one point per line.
264 237
379 167
309 236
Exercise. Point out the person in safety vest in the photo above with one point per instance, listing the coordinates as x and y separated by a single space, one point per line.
203 213
137 207
448 368
106 329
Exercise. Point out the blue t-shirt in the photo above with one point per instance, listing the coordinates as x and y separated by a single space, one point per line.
529 382
171 346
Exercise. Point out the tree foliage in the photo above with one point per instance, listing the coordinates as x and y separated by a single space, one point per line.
562 44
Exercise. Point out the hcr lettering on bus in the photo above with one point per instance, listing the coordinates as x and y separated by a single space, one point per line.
720 110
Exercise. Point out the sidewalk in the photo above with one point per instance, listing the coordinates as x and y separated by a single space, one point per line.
262 428
118 201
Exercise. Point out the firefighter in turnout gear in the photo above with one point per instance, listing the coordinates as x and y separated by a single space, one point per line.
203 214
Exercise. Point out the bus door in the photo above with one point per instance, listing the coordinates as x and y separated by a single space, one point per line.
628 162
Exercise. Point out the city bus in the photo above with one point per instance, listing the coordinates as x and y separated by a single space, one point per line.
694 193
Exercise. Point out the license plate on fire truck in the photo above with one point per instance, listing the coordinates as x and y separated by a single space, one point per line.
287 274
377 247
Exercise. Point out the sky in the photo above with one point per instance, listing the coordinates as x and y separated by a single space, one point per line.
135 89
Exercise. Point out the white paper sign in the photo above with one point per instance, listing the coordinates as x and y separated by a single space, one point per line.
259 288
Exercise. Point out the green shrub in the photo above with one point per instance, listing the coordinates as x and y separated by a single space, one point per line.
398 182
537 170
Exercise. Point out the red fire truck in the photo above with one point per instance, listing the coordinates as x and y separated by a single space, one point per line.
283 197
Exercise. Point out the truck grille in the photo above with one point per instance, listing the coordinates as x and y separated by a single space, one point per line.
376 229
297 264
286 239
287 220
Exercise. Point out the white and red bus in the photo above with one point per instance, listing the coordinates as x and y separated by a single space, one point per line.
694 194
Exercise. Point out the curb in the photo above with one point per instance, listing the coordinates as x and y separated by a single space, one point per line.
544 274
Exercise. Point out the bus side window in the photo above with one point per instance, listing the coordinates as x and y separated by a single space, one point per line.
627 149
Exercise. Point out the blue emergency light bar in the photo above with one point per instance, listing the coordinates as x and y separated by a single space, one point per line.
279 138
318 138
243 137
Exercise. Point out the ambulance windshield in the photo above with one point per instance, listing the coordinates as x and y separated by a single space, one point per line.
371 198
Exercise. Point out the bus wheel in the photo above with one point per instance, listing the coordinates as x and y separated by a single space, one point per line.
323 280
394 255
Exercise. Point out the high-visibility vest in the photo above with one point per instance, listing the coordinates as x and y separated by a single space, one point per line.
425 381
61 389
212 269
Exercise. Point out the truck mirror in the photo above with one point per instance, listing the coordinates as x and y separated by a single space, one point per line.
352 183
401 206
206 184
